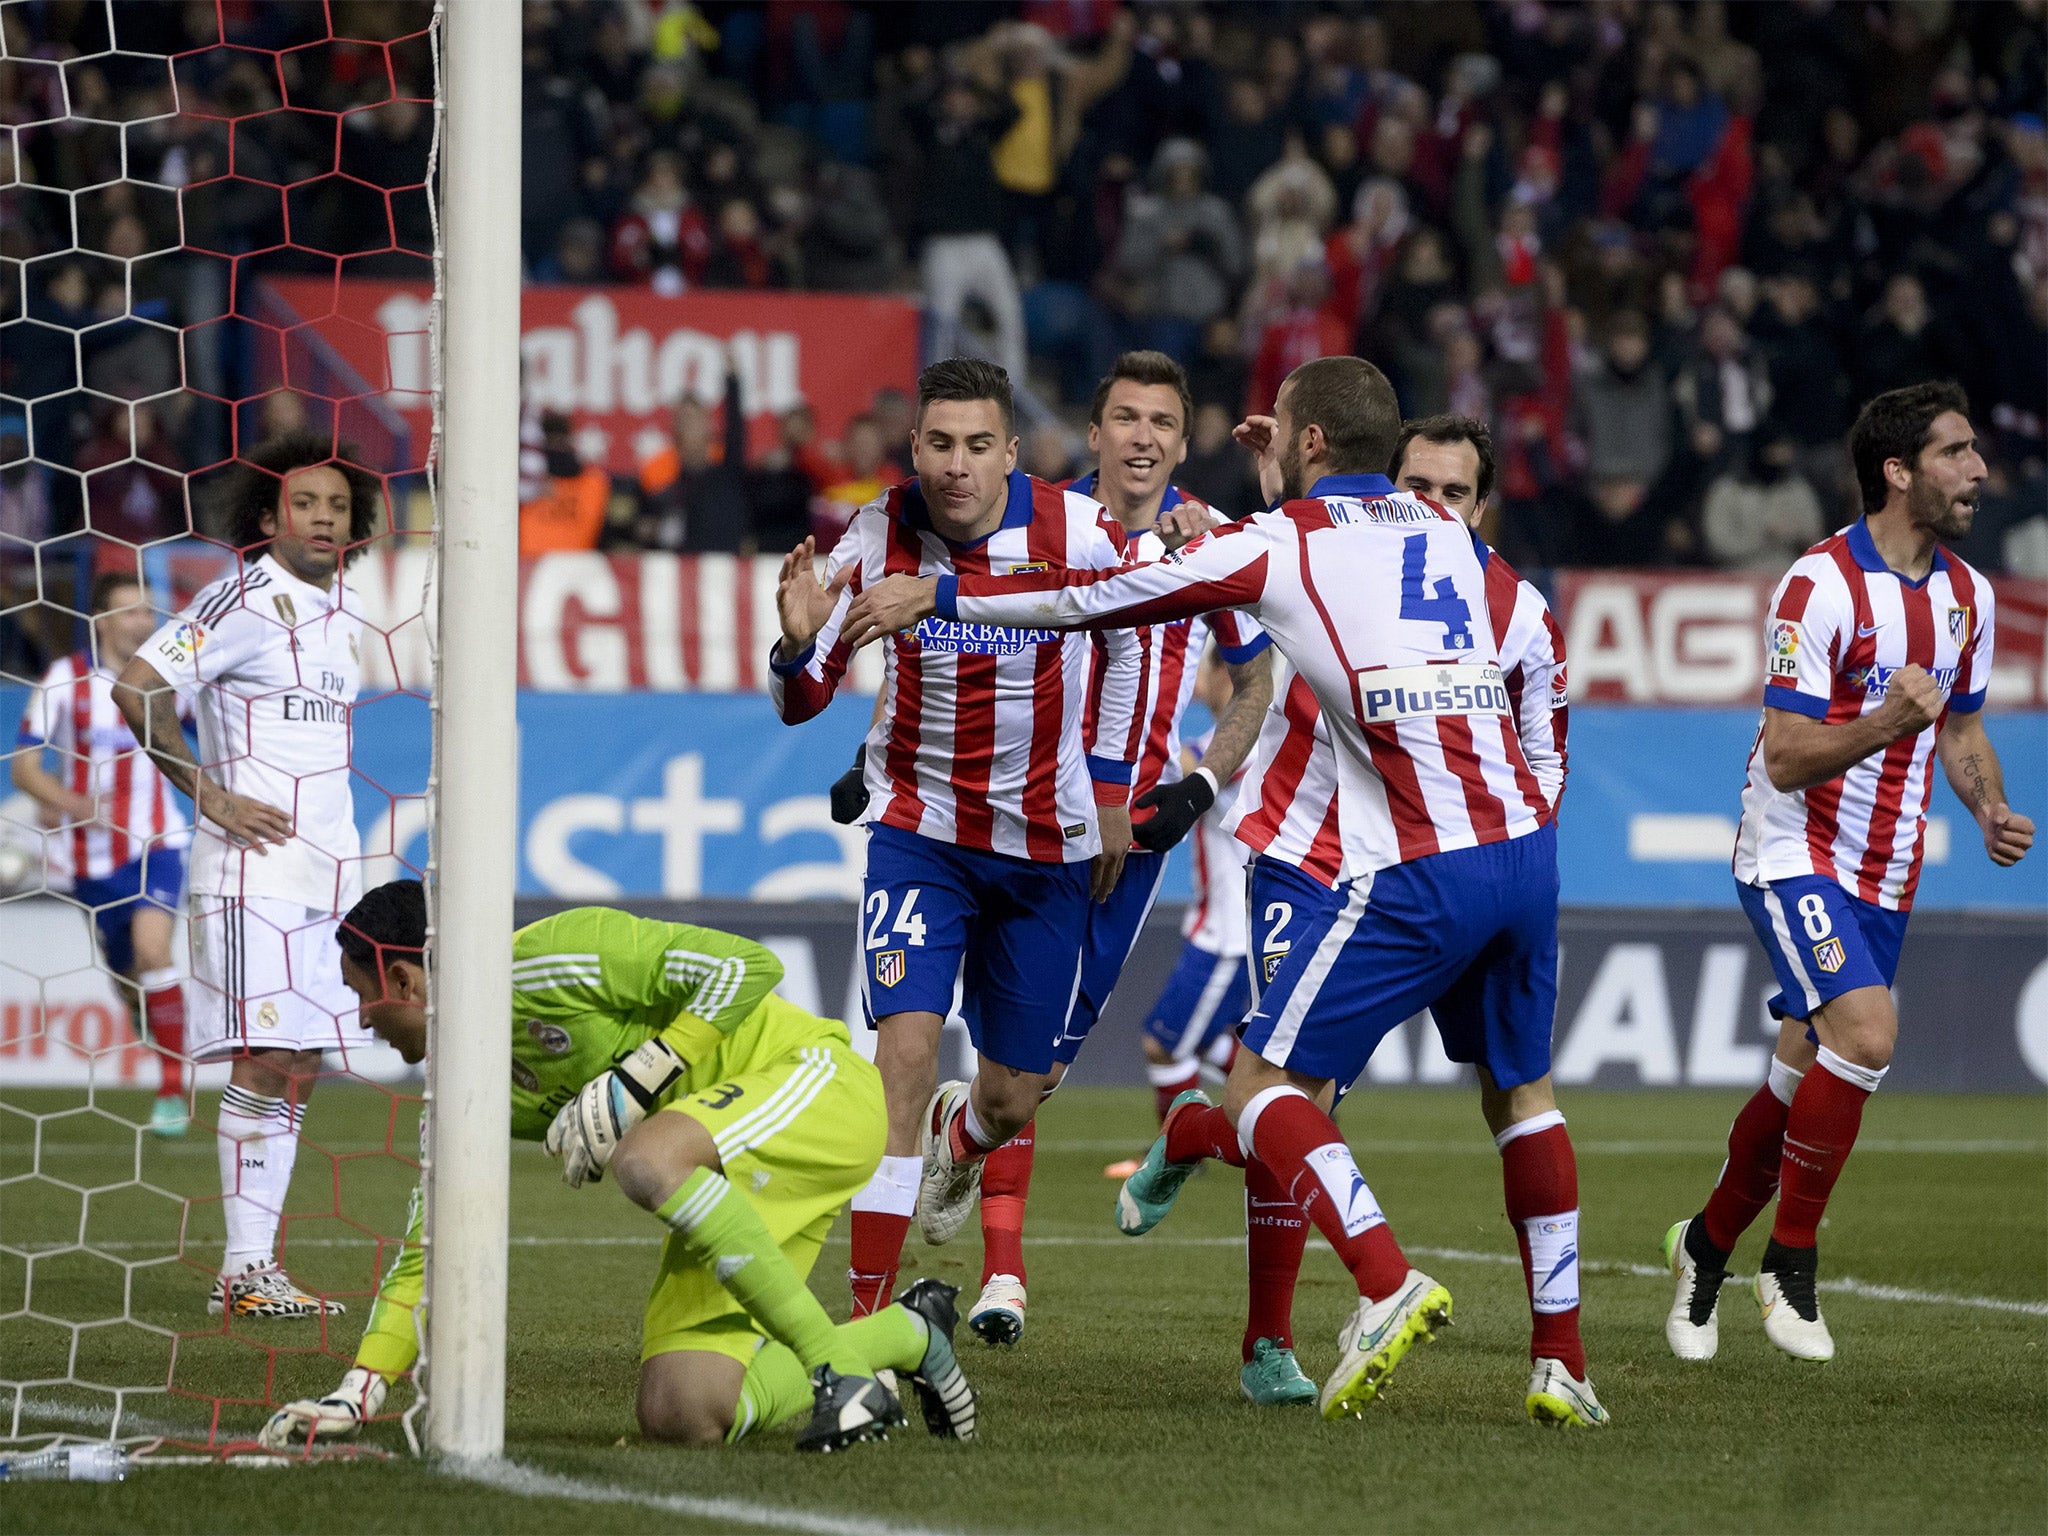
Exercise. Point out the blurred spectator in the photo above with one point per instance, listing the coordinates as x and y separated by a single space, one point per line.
1723 392
569 511
1300 333
134 491
1896 347
662 239
1215 469
24 489
578 256
693 493
1763 517
1048 454
1219 372
1181 254
863 475
1623 414
959 207
849 243
781 484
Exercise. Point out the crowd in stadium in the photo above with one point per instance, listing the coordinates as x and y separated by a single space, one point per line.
1662 248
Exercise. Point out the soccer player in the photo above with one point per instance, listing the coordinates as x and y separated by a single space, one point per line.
271 656
1285 810
1209 989
1878 652
1448 896
119 841
1137 432
986 848
658 1052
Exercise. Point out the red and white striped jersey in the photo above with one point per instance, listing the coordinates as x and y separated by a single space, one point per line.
1169 656
1286 808
1842 622
72 713
980 738
1216 920
1379 601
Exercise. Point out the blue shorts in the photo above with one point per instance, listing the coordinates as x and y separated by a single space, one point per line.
1009 929
1283 905
1470 934
1113 927
158 877
1822 941
1203 1000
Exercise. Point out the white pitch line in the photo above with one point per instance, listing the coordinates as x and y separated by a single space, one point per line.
530 1482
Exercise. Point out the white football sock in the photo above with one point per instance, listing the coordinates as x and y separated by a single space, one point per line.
893 1189
258 1142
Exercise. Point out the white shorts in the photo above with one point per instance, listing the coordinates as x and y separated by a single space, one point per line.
266 976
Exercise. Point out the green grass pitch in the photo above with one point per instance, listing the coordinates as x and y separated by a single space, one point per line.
1119 1412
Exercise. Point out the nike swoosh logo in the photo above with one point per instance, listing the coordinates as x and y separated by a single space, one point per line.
1864 633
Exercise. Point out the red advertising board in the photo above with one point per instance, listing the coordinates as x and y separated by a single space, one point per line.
615 359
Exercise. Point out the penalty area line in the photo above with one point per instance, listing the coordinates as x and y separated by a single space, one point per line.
532 1483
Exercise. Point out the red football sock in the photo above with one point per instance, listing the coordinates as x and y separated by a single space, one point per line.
1275 1234
1820 1128
966 1149
1197 1131
1005 1186
877 1248
1750 1176
163 1010
1171 1080
1309 1159
1541 1178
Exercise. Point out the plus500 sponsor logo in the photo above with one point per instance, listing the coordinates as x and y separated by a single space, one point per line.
1404 693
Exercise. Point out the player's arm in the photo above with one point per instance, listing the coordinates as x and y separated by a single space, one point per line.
1973 770
1115 735
148 701
1545 712
807 661
1225 570
28 774
1801 751
1177 807
695 985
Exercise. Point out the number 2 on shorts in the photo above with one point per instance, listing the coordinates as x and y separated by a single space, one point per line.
909 921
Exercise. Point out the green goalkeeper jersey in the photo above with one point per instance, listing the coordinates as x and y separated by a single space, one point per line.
592 985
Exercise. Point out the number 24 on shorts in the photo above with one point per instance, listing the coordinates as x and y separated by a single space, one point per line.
909 921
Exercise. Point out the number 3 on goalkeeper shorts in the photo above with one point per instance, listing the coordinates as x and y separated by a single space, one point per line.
909 921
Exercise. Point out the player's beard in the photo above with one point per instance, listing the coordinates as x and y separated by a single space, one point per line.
1292 471
1938 512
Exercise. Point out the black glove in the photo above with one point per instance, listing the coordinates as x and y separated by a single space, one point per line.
850 790
1175 808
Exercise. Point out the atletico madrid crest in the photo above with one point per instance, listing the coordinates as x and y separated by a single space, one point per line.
1828 954
1959 626
888 967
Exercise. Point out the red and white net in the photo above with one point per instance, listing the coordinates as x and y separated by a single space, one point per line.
160 165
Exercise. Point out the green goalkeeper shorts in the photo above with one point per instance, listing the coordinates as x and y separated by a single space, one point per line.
799 1137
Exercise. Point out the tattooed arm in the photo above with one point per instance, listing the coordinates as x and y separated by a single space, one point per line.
150 706
1971 763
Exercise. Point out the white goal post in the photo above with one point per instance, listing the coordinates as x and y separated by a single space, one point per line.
473 815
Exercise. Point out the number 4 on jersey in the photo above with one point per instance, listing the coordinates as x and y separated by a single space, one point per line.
1445 607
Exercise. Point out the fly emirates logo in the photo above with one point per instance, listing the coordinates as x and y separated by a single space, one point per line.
330 706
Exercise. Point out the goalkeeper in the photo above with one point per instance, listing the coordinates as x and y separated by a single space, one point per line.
743 1123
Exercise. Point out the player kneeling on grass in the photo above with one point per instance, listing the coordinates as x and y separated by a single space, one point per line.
657 1051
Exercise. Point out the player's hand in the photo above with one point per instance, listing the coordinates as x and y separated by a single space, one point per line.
252 821
850 791
803 602
590 1126
894 603
1175 809
1115 824
2007 834
1183 524
1259 436
337 1416
1912 701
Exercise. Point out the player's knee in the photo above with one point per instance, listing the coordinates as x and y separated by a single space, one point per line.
676 1417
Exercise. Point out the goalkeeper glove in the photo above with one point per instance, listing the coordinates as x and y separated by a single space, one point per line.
850 790
337 1416
1175 808
589 1128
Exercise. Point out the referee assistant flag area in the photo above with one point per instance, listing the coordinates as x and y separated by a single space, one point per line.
1120 1411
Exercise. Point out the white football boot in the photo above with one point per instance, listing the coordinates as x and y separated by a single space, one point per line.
998 1317
946 1196
266 1291
1792 1319
1379 1333
1556 1397
1693 1326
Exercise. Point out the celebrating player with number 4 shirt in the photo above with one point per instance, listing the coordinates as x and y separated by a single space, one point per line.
1878 655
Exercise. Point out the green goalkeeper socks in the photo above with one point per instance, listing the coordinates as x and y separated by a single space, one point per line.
777 1387
720 1229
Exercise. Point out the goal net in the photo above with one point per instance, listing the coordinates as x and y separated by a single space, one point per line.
167 172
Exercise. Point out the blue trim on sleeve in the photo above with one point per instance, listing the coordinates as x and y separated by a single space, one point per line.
946 599
783 668
1966 703
1107 770
1777 696
1238 655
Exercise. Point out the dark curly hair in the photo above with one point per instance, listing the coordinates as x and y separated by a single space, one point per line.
1897 425
255 490
388 923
